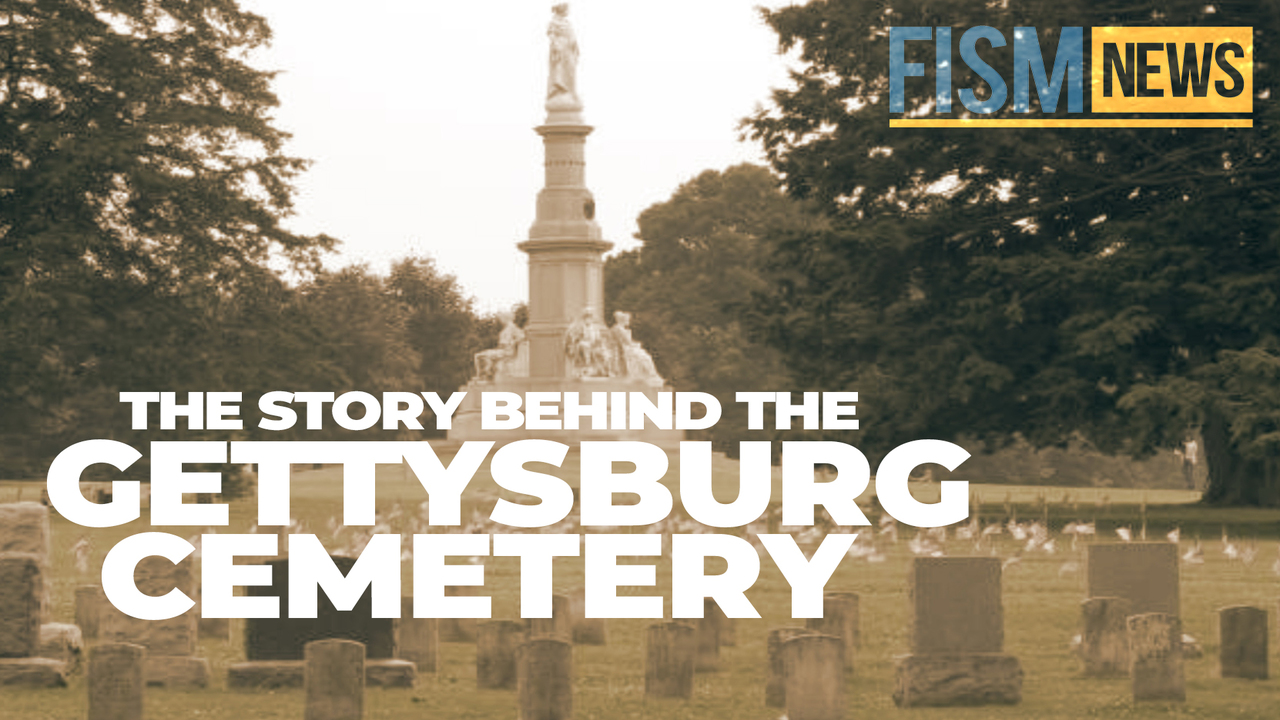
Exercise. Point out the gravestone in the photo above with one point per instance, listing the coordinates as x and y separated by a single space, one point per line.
839 618
275 647
214 628
334 683
775 686
392 673
25 530
957 637
460 630
708 637
497 643
1104 636
545 680
813 668
417 639
956 605
559 625
90 601
1155 657
586 631
62 642
1243 642
1144 573
21 611
21 587
726 629
171 643
209 627
115 681
670 652
286 638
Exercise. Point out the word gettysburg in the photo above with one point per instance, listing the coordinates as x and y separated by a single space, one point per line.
605 470
1137 71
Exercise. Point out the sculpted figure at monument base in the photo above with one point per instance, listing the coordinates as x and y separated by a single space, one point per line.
637 363
590 349
505 360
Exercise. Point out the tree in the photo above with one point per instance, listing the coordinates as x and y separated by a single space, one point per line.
441 325
1114 284
138 169
693 276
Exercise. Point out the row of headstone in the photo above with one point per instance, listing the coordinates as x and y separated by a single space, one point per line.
1105 639
1130 623
956 633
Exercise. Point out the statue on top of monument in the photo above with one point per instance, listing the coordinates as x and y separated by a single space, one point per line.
562 82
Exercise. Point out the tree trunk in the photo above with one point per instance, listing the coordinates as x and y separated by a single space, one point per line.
1235 479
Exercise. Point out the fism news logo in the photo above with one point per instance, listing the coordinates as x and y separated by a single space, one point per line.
1154 76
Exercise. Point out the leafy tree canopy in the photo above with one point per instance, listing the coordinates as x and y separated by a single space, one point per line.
1120 283
142 184
693 277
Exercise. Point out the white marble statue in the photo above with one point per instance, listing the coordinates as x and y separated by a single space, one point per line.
500 362
636 360
590 349
562 83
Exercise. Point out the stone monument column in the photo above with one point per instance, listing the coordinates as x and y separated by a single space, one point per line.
566 267
567 346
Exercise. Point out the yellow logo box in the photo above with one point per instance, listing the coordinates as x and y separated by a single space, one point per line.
1172 69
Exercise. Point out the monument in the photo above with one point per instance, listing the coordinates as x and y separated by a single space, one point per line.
566 346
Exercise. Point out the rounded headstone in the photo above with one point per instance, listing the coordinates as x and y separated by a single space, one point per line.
334 680
1243 646
839 618
115 681
814 667
775 686
417 639
497 645
670 652
559 625
545 680
586 631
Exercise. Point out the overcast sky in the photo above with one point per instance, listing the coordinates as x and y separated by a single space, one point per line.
419 115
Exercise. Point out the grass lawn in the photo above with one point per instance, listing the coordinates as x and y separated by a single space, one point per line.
1041 598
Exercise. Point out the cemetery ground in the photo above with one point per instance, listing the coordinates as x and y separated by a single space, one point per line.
1041 593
